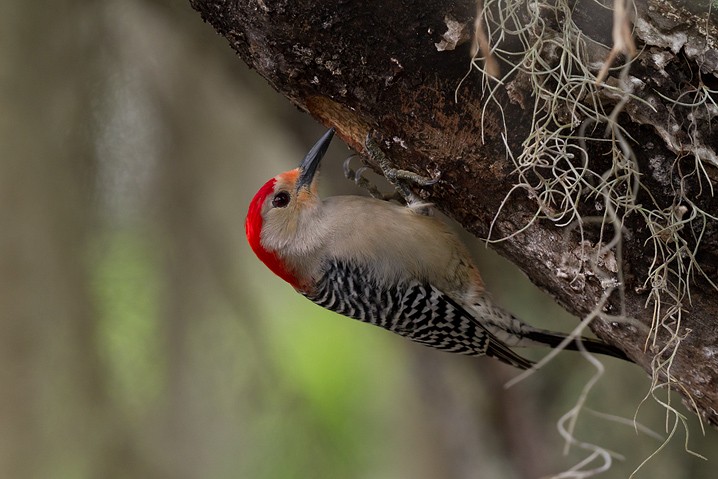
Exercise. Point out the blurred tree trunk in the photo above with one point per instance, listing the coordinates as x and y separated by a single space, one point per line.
393 69
53 403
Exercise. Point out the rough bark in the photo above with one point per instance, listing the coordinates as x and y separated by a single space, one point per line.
360 67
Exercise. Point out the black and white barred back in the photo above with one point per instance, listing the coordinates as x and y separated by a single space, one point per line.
415 310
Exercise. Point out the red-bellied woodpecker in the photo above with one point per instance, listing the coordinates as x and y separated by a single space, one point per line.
385 264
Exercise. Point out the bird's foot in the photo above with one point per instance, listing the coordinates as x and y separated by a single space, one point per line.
400 179
357 176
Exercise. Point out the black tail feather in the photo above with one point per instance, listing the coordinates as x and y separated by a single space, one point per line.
590 345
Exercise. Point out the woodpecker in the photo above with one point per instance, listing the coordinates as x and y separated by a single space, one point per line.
386 264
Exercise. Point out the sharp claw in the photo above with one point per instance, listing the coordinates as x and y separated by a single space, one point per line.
359 173
346 166
347 169
399 178
432 181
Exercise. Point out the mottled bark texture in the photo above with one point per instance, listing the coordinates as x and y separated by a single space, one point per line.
368 66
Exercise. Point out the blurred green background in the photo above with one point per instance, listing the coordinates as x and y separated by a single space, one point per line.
139 336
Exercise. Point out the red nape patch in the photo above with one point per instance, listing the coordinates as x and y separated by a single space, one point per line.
253 229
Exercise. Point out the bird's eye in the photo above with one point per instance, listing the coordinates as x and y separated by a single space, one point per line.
280 200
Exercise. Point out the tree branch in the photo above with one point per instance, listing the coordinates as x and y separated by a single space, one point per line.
556 163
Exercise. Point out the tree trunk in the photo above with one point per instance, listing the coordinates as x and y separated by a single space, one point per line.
601 187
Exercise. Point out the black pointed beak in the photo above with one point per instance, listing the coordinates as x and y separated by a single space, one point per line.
310 164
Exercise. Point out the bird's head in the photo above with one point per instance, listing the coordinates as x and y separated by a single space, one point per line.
280 212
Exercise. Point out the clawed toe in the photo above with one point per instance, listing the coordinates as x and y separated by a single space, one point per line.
401 179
